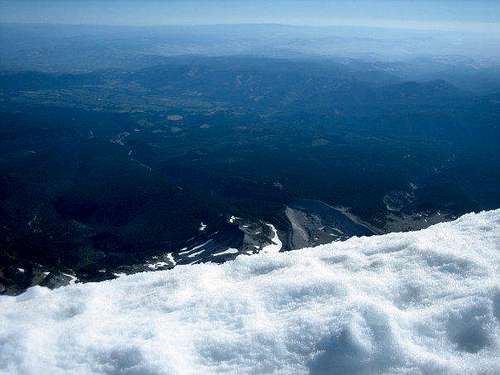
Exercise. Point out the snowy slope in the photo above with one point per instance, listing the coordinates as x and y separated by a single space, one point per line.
423 302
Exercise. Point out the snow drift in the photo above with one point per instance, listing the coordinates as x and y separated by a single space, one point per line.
422 302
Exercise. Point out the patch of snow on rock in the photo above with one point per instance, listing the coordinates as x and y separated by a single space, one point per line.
171 259
227 252
73 279
276 244
155 266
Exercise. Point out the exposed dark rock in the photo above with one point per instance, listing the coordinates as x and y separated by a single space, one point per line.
56 280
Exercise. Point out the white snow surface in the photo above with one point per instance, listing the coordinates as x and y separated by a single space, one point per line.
425 302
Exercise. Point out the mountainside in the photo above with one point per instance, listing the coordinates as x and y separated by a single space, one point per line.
417 302
188 161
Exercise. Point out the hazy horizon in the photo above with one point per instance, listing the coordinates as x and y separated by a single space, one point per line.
465 16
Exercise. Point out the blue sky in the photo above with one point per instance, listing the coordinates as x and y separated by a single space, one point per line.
469 15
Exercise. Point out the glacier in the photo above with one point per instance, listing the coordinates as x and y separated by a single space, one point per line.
425 302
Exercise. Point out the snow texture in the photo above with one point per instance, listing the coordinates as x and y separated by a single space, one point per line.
425 302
